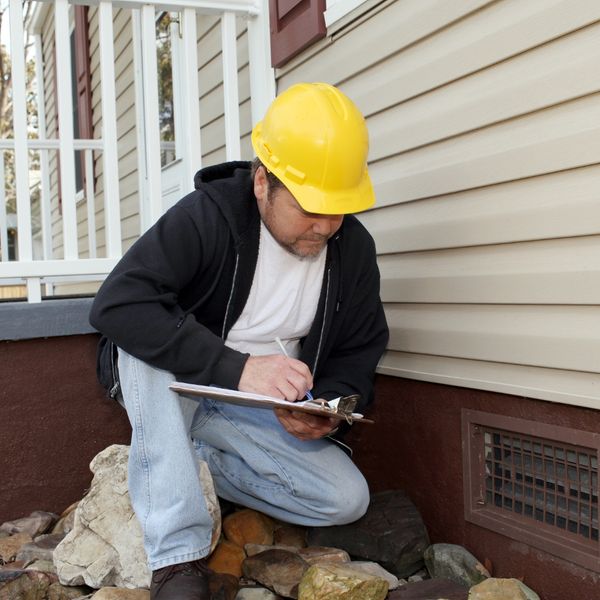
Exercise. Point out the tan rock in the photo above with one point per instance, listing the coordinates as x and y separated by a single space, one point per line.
115 593
320 554
339 582
248 526
66 520
227 558
502 589
10 546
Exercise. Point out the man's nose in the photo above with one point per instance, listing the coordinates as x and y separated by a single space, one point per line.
327 224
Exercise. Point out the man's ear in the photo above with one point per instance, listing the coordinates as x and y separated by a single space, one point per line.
261 185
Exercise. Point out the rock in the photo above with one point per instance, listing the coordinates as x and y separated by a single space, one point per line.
279 570
256 593
317 554
46 566
227 558
252 549
391 533
66 520
10 546
455 563
375 569
24 585
105 546
502 589
42 548
56 591
248 526
430 589
36 523
115 593
334 581
290 535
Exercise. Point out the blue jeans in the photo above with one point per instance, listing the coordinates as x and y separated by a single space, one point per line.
253 460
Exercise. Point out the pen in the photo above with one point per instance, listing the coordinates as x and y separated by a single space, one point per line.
280 344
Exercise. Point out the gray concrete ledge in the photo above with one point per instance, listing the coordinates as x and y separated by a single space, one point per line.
49 318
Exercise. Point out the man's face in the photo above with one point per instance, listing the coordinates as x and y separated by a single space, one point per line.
302 233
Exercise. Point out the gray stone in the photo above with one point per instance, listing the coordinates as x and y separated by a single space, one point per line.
115 593
36 523
455 563
278 570
502 589
42 548
339 581
105 546
391 533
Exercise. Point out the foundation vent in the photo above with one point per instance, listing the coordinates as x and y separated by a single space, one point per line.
533 482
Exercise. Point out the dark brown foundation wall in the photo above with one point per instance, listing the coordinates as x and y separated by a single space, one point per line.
416 446
55 418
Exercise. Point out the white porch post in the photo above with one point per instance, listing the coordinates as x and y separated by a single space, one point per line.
262 74
191 145
65 126
149 70
230 87
109 133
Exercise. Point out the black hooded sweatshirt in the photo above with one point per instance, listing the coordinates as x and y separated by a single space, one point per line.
175 294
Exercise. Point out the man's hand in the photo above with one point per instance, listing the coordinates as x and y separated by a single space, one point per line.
289 379
276 375
305 426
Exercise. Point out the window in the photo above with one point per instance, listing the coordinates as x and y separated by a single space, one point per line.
533 482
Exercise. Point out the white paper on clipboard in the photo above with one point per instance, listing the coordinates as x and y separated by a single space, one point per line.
260 401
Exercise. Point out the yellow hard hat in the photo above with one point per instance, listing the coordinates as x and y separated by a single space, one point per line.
314 140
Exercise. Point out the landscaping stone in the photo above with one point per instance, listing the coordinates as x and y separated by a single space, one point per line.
316 554
455 563
35 524
248 526
256 593
391 533
42 548
290 535
24 585
105 547
11 544
115 593
278 570
335 581
227 558
502 589
375 569
430 589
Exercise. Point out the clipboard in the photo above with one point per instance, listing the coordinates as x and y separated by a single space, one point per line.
339 408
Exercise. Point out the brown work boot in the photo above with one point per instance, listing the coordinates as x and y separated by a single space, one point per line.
183 581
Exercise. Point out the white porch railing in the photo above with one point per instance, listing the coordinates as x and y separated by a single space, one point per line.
59 257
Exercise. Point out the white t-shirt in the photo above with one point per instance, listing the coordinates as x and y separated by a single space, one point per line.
282 301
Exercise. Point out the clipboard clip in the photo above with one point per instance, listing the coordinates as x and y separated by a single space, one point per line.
344 405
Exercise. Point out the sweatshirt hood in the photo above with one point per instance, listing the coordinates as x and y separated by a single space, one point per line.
209 175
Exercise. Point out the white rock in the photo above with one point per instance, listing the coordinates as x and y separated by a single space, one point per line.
373 568
105 546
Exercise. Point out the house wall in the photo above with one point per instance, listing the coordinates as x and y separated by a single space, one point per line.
416 445
485 150
55 419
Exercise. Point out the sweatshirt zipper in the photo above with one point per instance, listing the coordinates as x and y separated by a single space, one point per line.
322 333
235 270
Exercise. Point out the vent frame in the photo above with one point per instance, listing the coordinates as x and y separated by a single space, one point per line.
478 509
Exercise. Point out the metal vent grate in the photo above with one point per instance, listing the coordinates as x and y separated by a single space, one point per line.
533 482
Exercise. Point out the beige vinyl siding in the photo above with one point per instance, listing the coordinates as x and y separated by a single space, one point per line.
485 156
